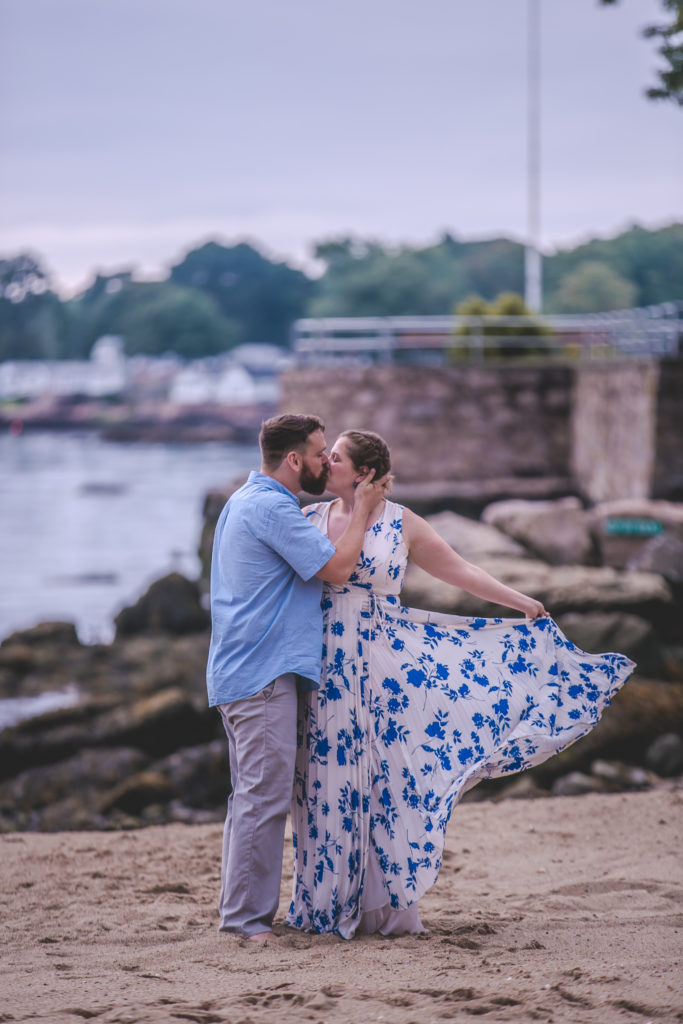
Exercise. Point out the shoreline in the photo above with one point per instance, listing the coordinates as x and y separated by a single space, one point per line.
551 910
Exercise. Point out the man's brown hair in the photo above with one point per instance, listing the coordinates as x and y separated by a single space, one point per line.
288 433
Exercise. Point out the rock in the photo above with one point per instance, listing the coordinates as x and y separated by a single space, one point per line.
88 770
474 540
137 792
68 815
157 725
662 554
578 784
171 605
623 529
45 633
560 588
556 531
200 775
471 496
614 631
525 787
665 755
622 776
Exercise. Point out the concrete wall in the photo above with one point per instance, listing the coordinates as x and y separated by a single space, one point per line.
595 425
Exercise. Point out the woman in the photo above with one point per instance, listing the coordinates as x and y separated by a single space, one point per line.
413 709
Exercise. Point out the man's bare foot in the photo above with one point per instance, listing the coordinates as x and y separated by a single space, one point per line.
263 938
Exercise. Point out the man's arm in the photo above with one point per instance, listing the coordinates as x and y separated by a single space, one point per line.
368 495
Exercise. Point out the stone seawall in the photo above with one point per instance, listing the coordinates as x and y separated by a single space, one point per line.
467 423
610 430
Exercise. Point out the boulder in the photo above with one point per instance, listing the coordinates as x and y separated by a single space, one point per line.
88 770
45 633
199 776
171 605
662 554
578 784
157 725
474 540
615 631
560 588
135 793
624 529
623 776
556 531
665 755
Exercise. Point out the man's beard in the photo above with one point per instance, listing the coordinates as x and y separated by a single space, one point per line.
313 484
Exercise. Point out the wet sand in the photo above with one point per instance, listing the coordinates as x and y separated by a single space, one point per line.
557 910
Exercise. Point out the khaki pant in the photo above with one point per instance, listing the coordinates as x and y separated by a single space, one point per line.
261 733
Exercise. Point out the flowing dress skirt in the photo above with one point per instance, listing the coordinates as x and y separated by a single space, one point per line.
412 710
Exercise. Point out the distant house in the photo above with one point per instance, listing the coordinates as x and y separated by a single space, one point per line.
103 374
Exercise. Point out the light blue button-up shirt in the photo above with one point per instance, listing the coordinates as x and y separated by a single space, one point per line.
265 598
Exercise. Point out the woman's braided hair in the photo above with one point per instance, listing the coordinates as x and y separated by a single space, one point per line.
367 449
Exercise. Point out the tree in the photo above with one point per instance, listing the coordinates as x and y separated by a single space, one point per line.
651 260
33 324
593 288
260 297
152 317
367 279
670 36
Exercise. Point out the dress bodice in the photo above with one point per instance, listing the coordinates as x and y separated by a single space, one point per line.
383 559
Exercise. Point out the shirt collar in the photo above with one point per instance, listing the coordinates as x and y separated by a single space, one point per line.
263 480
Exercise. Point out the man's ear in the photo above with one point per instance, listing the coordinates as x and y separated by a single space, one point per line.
293 460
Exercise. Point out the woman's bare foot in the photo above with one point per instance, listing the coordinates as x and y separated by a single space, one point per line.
263 938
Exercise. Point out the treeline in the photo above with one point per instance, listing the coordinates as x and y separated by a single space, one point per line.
221 296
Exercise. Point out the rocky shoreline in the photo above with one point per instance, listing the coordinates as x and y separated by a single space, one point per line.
139 746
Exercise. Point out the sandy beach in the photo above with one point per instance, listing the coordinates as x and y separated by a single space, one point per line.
548 910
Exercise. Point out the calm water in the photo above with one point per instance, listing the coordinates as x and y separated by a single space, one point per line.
87 525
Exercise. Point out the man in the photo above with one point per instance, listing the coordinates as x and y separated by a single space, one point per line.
267 570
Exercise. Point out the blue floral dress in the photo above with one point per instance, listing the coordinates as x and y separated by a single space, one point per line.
413 709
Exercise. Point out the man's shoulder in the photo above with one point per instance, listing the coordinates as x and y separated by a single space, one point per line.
257 500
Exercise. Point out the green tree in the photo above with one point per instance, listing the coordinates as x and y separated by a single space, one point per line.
33 324
670 36
160 318
260 297
593 288
651 260
152 317
367 279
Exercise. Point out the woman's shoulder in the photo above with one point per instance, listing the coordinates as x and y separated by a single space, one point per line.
316 510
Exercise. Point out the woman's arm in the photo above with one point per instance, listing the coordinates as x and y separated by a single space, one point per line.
431 552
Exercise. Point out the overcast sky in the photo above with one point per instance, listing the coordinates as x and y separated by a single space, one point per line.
133 129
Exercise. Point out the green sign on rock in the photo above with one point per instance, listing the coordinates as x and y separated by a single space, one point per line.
624 526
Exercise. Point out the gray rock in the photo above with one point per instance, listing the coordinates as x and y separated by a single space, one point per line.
523 788
135 793
578 784
560 588
171 605
620 549
200 775
556 531
87 771
622 776
662 554
665 755
474 540
45 633
614 631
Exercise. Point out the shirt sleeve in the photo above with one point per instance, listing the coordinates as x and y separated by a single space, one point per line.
296 539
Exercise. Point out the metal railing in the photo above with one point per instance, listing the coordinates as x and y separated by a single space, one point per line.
651 332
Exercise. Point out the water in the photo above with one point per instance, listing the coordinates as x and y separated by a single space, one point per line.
86 525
